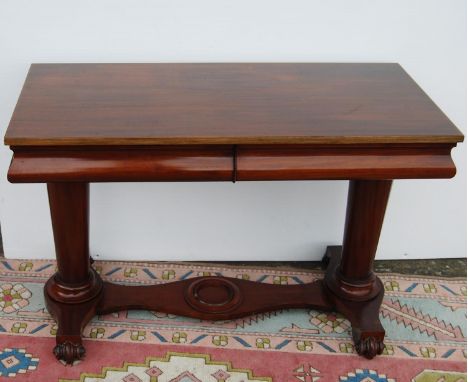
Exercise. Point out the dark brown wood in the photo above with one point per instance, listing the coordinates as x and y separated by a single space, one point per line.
69 210
307 162
367 201
352 285
368 333
219 298
72 294
214 298
71 319
206 163
80 123
249 103
216 163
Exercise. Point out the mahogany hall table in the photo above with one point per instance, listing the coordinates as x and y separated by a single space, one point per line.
81 123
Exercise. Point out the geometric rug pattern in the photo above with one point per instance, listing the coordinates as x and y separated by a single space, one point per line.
424 319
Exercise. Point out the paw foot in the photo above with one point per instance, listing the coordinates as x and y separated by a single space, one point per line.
369 347
69 352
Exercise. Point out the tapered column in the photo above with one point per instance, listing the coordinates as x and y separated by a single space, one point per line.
69 210
72 294
367 202
351 284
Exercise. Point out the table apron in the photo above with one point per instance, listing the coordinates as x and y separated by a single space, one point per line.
229 163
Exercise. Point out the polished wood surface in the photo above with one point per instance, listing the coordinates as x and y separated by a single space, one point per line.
176 298
367 330
101 164
72 294
224 163
248 103
329 162
81 123
367 202
69 210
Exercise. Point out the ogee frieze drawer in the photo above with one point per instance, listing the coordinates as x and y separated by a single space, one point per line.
343 162
130 164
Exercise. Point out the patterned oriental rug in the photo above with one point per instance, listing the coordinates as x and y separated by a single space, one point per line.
425 320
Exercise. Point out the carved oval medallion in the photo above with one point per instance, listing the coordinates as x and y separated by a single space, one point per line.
213 295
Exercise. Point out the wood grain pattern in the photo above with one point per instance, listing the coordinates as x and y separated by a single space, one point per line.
368 332
135 104
69 210
209 163
80 123
328 162
254 297
71 295
225 163
354 279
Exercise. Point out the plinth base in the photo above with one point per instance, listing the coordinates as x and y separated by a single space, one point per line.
213 298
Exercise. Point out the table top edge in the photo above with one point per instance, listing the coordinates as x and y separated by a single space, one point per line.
262 140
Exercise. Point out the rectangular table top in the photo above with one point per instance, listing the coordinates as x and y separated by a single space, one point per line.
224 104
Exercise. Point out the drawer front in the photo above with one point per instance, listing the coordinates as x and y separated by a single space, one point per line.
212 163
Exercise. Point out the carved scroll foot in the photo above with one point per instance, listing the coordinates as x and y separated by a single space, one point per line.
72 306
368 346
70 352
368 333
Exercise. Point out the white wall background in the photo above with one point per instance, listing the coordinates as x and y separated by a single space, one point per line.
249 221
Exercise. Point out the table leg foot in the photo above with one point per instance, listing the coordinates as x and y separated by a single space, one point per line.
72 306
69 352
367 346
368 333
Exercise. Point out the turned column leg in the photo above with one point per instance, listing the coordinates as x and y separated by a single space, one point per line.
72 294
350 280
